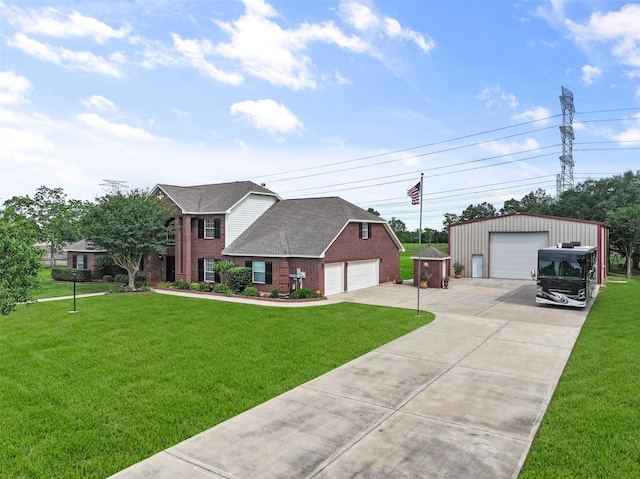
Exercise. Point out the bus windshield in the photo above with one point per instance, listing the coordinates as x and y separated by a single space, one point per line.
560 266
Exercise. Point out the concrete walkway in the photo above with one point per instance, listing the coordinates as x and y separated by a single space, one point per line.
460 397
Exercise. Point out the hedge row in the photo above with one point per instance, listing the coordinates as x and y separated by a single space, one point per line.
67 274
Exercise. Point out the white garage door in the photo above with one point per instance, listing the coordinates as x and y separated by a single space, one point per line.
514 255
333 278
362 274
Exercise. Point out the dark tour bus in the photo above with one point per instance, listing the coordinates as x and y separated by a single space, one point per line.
566 274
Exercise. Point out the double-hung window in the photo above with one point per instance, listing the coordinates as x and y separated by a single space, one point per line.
365 231
209 228
80 261
261 271
209 272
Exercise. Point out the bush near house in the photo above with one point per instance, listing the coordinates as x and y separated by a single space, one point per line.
66 274
239 278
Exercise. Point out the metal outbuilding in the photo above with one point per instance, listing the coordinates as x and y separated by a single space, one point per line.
505 247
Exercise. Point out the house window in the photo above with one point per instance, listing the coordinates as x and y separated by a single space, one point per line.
80 261
261 271
209 272
209 228
365 230
206 271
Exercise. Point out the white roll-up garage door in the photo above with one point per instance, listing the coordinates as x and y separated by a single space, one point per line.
514 255
333 278
362 274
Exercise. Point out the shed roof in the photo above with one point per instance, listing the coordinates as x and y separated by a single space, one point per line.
300 227
211 199
430 253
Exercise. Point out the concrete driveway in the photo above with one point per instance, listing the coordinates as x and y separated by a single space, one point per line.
460 397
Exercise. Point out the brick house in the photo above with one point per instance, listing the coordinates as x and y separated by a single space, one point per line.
323 244
81 256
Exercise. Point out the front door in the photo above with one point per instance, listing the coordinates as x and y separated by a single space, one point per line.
171 268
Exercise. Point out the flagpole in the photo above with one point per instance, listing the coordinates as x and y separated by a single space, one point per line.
420 246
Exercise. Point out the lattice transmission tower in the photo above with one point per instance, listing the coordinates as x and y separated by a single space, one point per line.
564 181
113 187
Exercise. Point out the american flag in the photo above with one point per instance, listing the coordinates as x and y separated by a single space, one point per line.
414 193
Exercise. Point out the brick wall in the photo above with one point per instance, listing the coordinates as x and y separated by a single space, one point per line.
380 245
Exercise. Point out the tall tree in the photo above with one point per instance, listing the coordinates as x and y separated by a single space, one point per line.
56 217
127 226
624 226
19 260
536 202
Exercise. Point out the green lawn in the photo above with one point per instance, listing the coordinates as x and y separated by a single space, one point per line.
406 263
87 394
592 426
51 289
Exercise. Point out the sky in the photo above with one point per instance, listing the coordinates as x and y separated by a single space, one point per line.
354 98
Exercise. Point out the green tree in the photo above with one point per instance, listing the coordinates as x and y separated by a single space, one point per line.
624 226
398 227
127 226
56 217
19 260
222 268
536 202
371 210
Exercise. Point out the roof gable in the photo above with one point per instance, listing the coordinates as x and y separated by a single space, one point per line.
299 227
211 199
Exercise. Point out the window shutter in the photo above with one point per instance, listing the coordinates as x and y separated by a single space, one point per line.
216 228
201 228
75 261
268 272
200 269
248 263
370 229
360 225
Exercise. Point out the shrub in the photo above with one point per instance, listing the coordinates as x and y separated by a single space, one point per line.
139 281
115 289
182 284
275 292
251 291
223 289
121 278
239 278
107 278
164 284
302 293
205 287
194 286
66 274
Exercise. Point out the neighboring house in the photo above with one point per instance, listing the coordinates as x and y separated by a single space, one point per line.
323 244
81 256
506 247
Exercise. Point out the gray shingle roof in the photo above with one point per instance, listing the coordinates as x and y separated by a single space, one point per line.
299 227
430 253
216 198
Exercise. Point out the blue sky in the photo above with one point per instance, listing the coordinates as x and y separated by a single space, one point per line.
349 98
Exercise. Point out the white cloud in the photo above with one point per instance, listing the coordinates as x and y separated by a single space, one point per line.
538 113
116 129
81 60
267 115
195 54
511 147
53 23
99 102
494 94
13 88
619 27
363 18
630 136
590 74
274 54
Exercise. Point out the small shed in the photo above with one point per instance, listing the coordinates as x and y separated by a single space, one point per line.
437 263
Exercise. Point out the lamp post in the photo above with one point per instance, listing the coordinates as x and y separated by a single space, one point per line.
74 274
